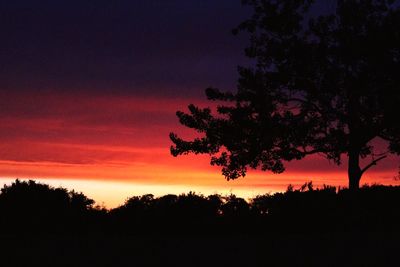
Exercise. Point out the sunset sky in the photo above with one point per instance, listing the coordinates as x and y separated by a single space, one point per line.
89 91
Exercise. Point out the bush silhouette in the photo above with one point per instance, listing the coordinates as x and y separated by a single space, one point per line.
30 206
41 207
328 221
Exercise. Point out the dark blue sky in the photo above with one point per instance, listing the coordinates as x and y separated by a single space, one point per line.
166 48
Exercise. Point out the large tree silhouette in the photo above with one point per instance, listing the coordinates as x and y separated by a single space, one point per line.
323 83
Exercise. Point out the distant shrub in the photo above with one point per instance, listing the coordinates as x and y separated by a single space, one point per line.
31 206
39 206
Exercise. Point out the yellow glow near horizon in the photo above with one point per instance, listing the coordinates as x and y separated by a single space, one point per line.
114 147
114 193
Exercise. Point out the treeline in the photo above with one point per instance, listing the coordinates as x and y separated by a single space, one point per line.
30 207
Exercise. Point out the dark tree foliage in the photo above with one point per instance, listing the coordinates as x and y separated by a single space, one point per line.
168 213
46 226
324 84
39 206
30 207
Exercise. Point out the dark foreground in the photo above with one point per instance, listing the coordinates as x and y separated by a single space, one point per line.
44 226
344 249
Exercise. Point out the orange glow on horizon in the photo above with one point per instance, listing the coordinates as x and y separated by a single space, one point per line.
113 184
117 142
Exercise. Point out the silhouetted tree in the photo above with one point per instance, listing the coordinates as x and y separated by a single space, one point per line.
234 206
37 219
79 201
40 206
324 83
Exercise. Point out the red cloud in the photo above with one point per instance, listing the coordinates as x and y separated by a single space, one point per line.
126 138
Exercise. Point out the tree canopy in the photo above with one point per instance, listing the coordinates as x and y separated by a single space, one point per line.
323 83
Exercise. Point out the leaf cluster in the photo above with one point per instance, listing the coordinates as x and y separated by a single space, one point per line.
323 83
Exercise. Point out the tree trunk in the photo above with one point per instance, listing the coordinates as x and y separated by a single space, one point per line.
354 170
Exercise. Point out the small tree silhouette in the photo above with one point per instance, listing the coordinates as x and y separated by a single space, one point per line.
42 207
323 84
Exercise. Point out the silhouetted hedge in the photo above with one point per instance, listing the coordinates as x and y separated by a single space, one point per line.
30 207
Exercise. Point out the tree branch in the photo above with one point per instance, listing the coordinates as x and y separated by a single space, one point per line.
372 164
305 102
306 152
387 138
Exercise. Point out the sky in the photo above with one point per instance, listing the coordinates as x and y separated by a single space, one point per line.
89 91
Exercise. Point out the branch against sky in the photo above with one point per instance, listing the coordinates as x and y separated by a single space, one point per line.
325 83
